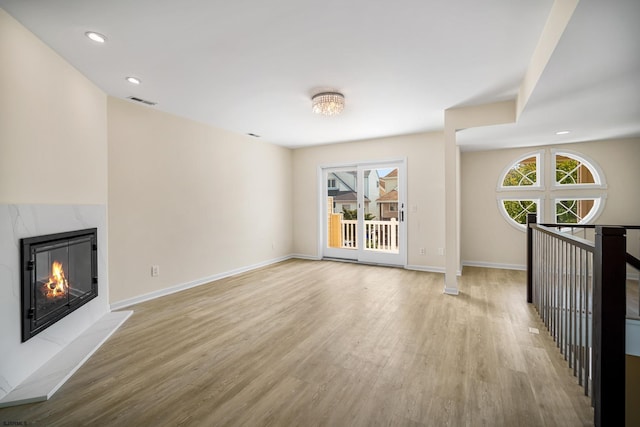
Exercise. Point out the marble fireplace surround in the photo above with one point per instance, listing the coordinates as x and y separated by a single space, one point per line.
32 371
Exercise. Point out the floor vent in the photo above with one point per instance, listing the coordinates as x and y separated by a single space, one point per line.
144 101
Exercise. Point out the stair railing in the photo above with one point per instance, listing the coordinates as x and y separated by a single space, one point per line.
578 288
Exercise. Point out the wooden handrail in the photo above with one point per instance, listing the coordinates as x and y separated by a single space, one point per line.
633 261
581 243
569 225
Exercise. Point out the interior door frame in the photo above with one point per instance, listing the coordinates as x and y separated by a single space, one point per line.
357 255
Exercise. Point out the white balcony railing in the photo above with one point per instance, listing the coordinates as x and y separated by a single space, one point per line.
379 235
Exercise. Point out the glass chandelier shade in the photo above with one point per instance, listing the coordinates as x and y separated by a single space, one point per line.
328 103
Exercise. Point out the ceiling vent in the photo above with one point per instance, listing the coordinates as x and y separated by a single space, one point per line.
144 101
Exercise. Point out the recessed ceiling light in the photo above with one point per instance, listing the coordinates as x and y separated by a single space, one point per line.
133 80
563 132
96 37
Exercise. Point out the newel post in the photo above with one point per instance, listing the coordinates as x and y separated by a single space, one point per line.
531 219
609 323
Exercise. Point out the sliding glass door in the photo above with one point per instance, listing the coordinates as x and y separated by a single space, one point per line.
364 213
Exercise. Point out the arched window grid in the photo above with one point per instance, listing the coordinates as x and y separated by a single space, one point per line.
524 179
520 222
569 179
570 200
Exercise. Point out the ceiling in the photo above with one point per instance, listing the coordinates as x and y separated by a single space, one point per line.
252 66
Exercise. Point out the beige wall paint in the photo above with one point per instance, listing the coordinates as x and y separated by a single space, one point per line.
425 190
167 206
488 239
53 125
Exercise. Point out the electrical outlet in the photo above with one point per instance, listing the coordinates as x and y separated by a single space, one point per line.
440 251
155 270
423 251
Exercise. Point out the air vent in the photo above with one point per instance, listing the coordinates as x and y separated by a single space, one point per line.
144 101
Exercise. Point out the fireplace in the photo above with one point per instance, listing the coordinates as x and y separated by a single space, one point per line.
59 275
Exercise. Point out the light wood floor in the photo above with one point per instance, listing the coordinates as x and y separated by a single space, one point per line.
321 343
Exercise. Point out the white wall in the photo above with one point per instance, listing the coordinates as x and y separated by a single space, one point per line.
425 198
194 200
53 140
53 178
487 238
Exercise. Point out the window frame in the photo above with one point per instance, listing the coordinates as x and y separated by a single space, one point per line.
548 196
539 201
539 154
596 210
598 175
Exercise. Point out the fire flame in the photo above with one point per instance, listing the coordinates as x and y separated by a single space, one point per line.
57 285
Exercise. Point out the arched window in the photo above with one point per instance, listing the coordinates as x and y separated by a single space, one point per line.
523 173
575 195
574 169
518 209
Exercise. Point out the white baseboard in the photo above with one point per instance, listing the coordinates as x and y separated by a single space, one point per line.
494 265
630 276
308 257
426 268
184 286
181 287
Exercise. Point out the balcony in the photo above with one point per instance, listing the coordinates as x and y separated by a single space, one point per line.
379 236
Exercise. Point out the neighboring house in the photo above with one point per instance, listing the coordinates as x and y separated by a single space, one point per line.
371 191
388 205
342 181
388 200
347 200
342 186
389 182
341 189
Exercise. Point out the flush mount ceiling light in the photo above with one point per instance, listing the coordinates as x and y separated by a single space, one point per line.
96 37
328 103
133 80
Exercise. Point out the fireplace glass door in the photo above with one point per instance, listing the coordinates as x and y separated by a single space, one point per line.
59 275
